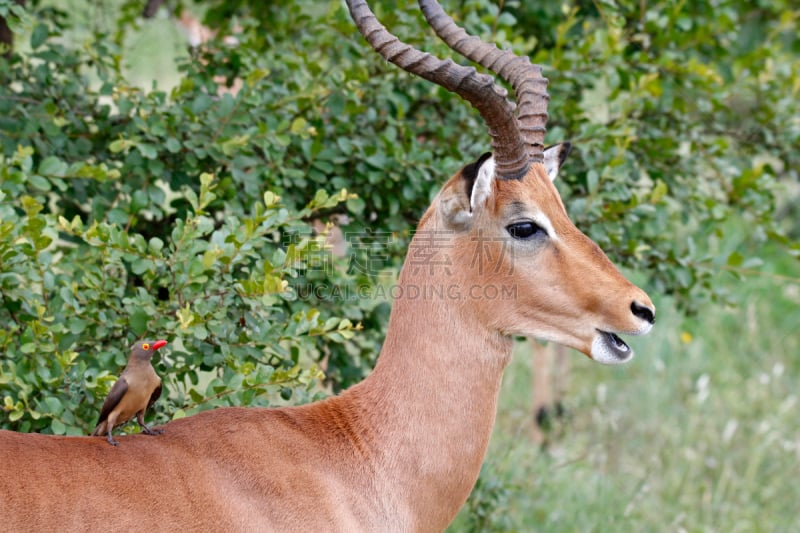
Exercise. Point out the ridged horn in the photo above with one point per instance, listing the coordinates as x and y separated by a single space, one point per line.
510 152
530 87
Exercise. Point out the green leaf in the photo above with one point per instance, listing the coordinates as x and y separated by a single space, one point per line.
39 35
77 325
356 205
147 150
172 145
200 332
658 192
270 199
120 145
257 75
156 244
54 405
40 183
298 125
138 321
592 179
52 166
58 427
735 259
201 103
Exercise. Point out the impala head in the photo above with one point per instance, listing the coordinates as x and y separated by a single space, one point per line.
504 219
515 235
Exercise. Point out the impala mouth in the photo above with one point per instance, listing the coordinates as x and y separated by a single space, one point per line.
609 349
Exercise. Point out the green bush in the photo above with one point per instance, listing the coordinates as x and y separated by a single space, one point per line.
75 295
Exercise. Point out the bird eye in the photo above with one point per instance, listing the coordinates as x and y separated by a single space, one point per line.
146 346
524 230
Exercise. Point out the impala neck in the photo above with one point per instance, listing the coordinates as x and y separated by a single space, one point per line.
431 400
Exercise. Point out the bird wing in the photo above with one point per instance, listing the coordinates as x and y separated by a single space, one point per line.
114 396
155 396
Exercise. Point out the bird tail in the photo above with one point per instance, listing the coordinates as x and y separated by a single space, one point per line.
100 429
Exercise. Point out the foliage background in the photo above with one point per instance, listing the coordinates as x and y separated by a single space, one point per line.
137 200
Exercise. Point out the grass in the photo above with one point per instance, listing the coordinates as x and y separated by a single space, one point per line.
700 432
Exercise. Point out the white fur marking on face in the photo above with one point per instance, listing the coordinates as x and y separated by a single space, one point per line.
644 329
552 161
482 187
603 354
544 223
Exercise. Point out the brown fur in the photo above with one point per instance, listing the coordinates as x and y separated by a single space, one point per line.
400 451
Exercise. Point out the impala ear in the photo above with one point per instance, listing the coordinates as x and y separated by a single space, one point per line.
478 178
458 204
554 156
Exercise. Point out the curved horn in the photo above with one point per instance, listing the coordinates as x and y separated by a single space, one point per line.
530 87
511 156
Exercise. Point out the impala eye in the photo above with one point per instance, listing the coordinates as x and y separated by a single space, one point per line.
525 230
146 346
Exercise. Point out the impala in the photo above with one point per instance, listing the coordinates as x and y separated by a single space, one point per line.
401 450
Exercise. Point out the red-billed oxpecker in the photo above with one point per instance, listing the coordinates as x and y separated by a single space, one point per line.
137 388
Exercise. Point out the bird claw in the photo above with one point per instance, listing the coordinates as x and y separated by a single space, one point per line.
148 431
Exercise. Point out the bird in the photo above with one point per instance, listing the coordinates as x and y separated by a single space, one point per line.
136 390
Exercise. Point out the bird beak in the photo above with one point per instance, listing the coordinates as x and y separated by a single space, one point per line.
159 344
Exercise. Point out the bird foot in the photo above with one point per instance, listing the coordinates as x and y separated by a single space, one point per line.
148 431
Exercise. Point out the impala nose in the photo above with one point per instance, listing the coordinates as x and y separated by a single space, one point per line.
645 312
